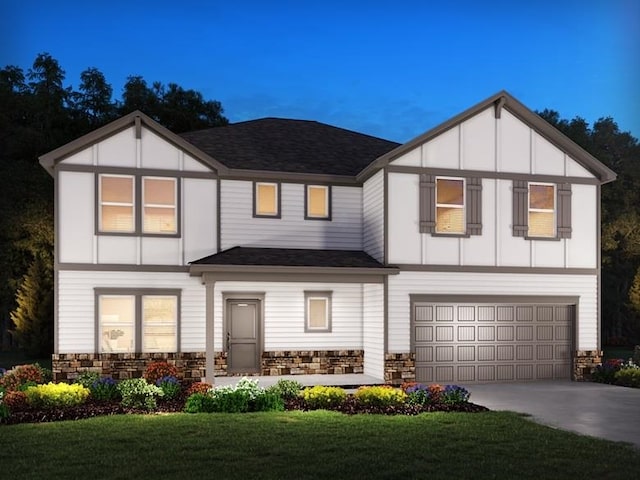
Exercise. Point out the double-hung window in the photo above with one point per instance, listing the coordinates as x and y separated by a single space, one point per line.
123 210
450 208
317 311
542 210
144 321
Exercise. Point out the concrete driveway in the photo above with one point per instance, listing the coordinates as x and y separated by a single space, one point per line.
594 409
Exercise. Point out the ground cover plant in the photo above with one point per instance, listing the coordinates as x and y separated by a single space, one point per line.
268 445
617 371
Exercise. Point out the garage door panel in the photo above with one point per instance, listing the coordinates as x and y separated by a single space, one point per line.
488 343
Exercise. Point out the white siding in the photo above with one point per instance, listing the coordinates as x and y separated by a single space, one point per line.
404 236
157 153
373 329
76 311
373 216
240 228
283 322
76 209
449 283
199 218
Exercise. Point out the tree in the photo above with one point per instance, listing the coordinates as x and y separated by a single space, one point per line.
33 318
94 99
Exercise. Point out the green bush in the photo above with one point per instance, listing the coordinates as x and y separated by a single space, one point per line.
323 397
380 396
200 403
4 410
628 377
287 389
104 389
137 393
270 400
23 376
56 395
170 386
454 395
230 400
87 378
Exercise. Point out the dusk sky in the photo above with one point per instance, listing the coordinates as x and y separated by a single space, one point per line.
392 69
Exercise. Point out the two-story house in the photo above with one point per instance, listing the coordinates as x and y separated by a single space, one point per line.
471 253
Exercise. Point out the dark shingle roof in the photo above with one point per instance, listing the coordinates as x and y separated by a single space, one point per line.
290 257
282 145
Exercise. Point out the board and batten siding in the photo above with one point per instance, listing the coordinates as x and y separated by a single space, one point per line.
496 246
449 283
240 228
373 216
373 329
76 305
77 241
284 315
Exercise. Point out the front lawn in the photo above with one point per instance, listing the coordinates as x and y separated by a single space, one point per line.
306 445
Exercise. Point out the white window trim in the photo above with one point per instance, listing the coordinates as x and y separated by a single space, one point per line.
102 203
450 205
315 295
256 200
173 207
542 210
327 203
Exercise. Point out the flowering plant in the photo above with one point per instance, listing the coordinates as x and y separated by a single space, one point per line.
170 386
104 389
454 395
157 370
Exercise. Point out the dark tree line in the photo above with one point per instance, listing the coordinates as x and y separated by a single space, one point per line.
39 112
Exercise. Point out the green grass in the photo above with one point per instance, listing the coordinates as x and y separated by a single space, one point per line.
11 358
307 445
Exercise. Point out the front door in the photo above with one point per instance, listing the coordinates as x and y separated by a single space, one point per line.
243 336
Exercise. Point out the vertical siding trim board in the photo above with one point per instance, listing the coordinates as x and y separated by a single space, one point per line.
427 203
385 215
474 206
218 217
520 208
563 215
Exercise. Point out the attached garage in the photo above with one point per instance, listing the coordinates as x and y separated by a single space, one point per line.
490 339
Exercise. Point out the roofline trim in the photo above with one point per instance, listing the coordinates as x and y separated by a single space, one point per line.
134 119
499 101
199 269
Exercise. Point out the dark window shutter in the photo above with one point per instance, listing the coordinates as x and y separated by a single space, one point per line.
427 203
520 208
474 206
563 215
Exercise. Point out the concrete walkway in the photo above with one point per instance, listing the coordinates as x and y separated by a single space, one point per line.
594 409
349 380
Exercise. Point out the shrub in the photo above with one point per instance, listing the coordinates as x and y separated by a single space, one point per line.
198 387
23 376
57 395
270 400
170 386
606 373
454 395
157 370
104 389
87 378
323 397
4 410
200 403
230 400
628 377
15 400
380 396
137 393
287 389
418 394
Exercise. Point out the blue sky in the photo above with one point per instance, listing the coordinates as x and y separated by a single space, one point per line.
392 69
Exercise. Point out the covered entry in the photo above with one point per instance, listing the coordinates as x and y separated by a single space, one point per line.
492 339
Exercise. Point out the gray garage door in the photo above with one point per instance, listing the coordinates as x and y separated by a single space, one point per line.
464 343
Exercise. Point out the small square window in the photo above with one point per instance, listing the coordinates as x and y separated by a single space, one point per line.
317 311
450 211
318 202
542 210
266 200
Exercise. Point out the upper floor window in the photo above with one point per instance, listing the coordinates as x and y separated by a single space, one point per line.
160 202
542 210
130 204
318 202
450 216
450 205
317 311
266 199
116 212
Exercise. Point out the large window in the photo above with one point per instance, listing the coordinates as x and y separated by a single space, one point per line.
116 198
145 321
122 210
318 202
266 199
450 212
317 311
542 217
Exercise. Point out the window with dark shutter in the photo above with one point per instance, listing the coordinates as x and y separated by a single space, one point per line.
534 210
427 203
474 206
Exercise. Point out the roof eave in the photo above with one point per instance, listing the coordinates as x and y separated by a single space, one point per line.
199 269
